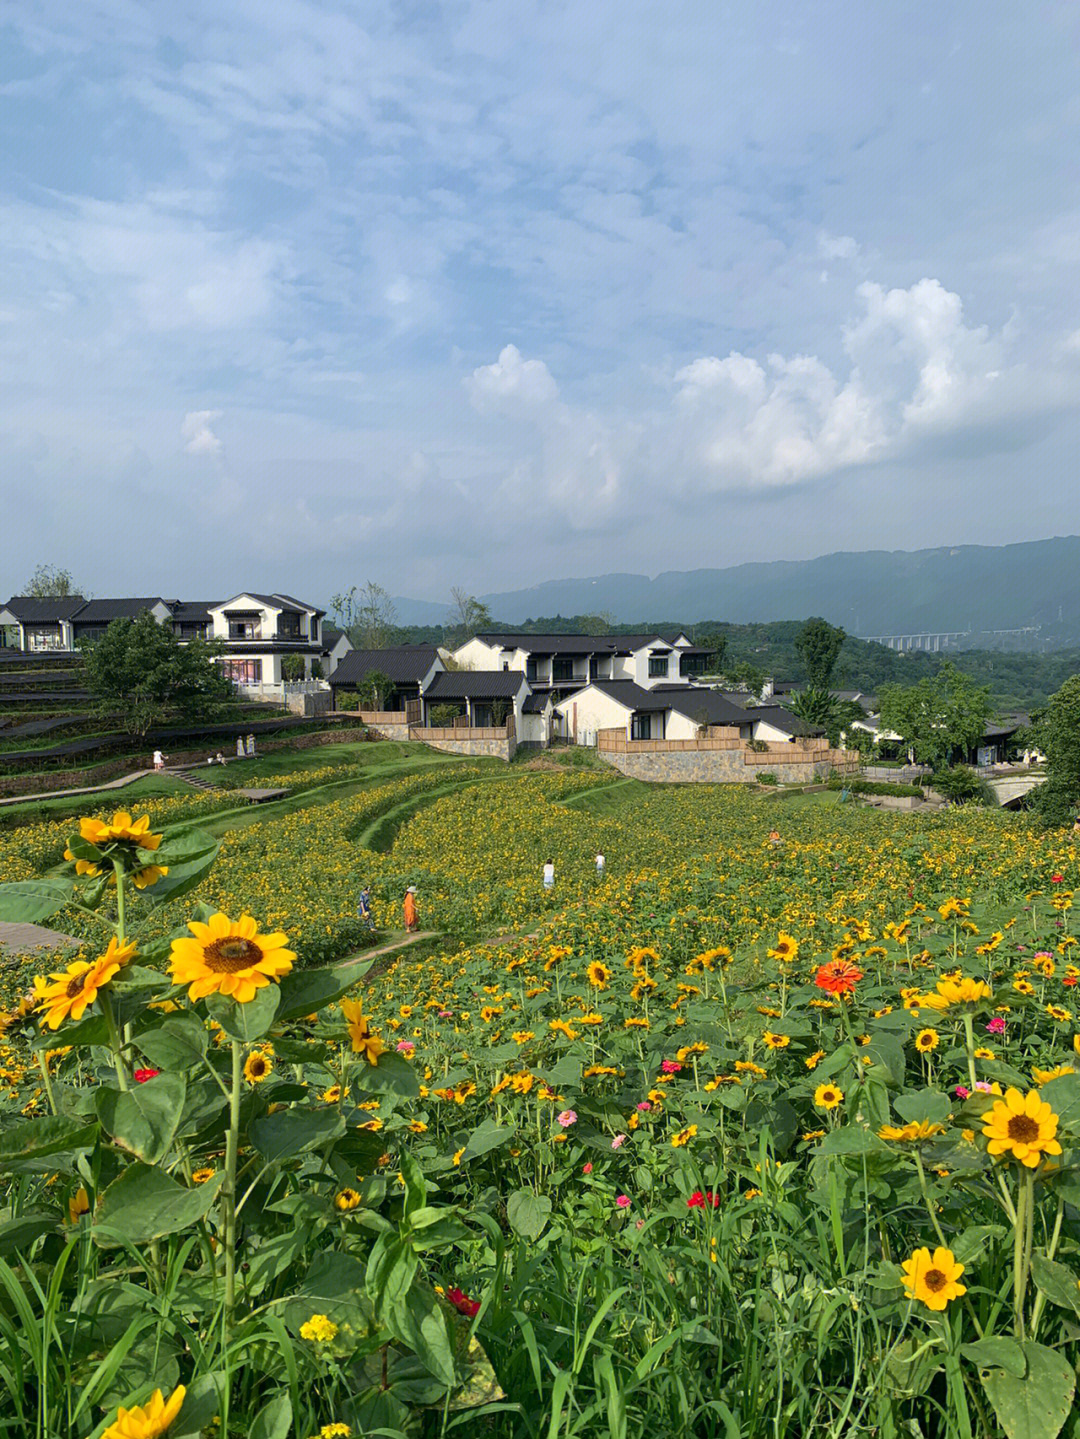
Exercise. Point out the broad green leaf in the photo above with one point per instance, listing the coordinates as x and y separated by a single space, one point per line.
419 1321
1037 1406
486 1136
997 1353
391 1269
306 991
334 1286
852 1139
176 1044
292 1131
923 1104
29 901
1063 1096
392 1075
274 1420
203 1400
1056 1281
528 1213
92 1029
415 1184
145 1204
246 1022
143 1120
481 1384
17 1235
34 1138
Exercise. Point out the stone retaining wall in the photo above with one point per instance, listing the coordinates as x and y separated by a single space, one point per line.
718 766
503 747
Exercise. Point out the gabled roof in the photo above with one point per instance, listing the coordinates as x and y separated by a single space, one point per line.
103 612
298 605
192 612
404 664
704 705
577 644
536 704
472 684
330 636
28 609
631 695
783 720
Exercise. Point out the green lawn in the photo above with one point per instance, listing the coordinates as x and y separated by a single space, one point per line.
150 787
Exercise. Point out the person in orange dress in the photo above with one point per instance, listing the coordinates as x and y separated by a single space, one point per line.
412 924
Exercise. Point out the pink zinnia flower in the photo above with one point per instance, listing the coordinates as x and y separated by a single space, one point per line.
619 1141
405 1046
1043 954
623 1201
644 1107
567 1117
961 1091
142 1075
996 1025
586 1168
982 1086
446 1014
669 1066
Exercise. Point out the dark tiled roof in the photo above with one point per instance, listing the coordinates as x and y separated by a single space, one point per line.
705 705
330 636
405 664
627 693
101 612
298 605
192 612
577 644
30 610
783 720
472 684
536 704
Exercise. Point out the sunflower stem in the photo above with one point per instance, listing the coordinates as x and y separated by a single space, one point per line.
969 1045
1019 1237
43 1064
118 870
926 1199
105 1000
228 1189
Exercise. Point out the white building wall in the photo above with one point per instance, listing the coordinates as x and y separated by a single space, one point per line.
680 726
591 710
477 654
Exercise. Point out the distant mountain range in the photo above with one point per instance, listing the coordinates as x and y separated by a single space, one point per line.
970 589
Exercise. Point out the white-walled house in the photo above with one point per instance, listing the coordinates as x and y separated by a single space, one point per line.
485 697
335 646
669 712
564 663
409 668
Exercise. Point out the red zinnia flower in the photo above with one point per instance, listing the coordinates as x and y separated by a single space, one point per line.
698 1200
839 976
142 1075
669 1066
463 1304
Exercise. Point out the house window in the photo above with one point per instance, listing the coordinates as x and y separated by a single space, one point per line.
658 667
244 630
530 669
641 726
289 627
562 669
243 672
693 664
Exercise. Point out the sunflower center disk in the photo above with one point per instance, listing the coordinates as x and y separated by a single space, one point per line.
1023 1129
76 985
229 956
934 1280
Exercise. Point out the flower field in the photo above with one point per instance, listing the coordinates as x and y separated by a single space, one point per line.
738 1140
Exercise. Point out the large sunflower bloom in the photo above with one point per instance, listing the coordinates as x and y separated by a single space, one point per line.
363 1040
932 1278
229 957
1022 1125
69 994
786 950
146 1421
964 990
121 827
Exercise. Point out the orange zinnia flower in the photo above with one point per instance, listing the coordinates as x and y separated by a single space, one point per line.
839 976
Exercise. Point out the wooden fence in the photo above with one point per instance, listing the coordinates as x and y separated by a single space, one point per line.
614 741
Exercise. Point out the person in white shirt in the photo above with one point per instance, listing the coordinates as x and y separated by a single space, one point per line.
549 874
599 866
159 760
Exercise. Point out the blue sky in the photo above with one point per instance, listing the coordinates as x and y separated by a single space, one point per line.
295 295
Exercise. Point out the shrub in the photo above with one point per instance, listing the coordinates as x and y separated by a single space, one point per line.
766 776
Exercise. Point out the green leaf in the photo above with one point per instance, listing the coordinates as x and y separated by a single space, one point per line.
415 1184
391 1269
852 1139
1037 1406
306 991
143 1120
90 1030
177 1044
928 1105
246 1022
18 1234
274 1420
189 857
1056 1281
528 1213
392 1075
1063 1096
204 1399
31 900
334 1286
292 1131
50 1135
419 1321
995 1353
486 1136
145 1204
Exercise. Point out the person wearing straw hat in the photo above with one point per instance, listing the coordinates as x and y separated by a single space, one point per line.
412 924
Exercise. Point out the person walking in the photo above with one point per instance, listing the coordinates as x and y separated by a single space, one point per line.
408 909
251 746
239 747
600 866
159 761
363 908
549 874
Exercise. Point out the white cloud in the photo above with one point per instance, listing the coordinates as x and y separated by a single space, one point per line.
837 247
512 385
199 438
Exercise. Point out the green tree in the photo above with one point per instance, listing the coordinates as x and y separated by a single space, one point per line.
49 582
817 707
141 673
715 642
1056 731
818 646
374 690
942 715
468 616
375 618
292 668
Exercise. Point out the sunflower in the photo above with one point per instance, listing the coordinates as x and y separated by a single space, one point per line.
200 1176
912 1132
70 994
775 1041
82 866
926 1040
1044 1076
828 1096
964 991
257 1067
146 1421
598 974
121 829
954 908
229 957
932 1279
1022 1125
1055 1011
813 1060
684 1136
786 949
346 1199
148 875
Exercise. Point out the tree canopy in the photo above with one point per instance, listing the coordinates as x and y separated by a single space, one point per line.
49 582
1057 732
818 646
940 716
140 672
